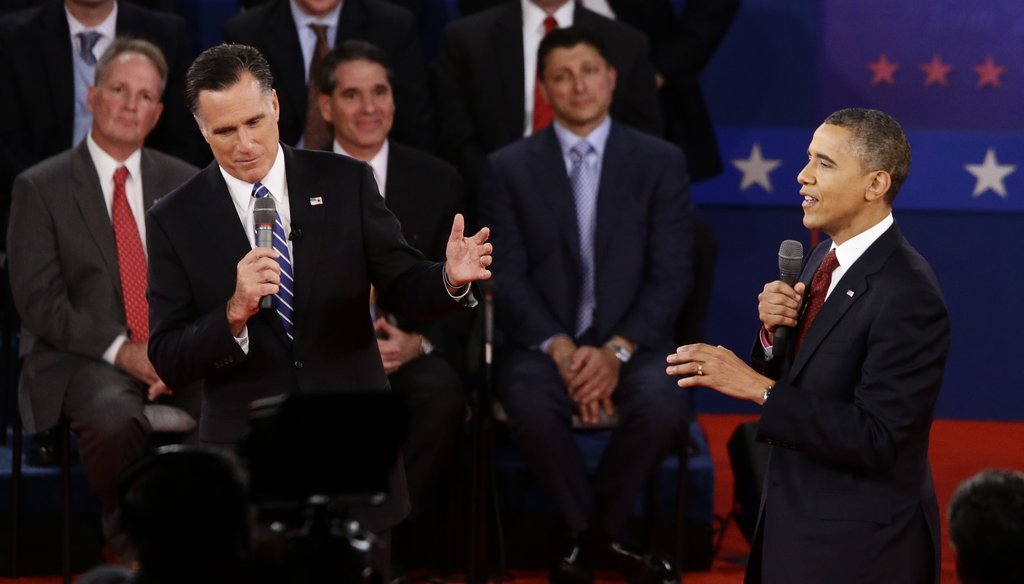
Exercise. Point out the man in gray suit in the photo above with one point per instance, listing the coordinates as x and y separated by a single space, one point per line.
78 270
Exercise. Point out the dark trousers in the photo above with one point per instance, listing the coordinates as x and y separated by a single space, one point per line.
653 413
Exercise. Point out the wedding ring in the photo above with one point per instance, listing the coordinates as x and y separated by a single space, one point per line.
700 369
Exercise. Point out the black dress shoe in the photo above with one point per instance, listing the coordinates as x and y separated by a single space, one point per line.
43 449
572 565
638 568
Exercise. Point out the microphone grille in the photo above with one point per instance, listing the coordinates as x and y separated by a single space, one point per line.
265 211
791 255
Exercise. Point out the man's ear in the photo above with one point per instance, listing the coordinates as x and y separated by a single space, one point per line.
880 183
325 108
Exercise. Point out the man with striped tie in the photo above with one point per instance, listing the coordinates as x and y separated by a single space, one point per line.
333 239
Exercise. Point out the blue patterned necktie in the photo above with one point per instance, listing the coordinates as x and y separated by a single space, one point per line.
88 40
582 177
284 300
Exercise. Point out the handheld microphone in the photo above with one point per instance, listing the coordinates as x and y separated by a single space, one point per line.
791 257
264 214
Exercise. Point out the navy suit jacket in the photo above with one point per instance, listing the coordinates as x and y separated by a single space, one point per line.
848 494
643 246
271 29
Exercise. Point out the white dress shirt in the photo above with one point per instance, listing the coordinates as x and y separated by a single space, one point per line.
533 33
379 164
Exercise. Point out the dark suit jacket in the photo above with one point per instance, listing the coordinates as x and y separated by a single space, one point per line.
271 29
37 103
643 247
348 240
64 271
480 92
425 193
848 495
681 47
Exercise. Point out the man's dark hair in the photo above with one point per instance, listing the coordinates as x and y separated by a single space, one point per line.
221 67
186 512
986 526
567 38
878 142
347 52
125 45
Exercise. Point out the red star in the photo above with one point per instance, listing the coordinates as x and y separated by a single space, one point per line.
883 70
936 72
988 73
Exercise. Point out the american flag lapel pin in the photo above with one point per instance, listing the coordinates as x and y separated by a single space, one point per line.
314 201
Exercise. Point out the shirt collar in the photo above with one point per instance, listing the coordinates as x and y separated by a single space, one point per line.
533 16
107 28
379 163
851 249
106 164
241 191
303 20
597 138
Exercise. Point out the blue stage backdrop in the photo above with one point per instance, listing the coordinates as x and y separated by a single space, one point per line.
952 72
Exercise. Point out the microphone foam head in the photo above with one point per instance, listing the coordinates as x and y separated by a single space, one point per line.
791 255
265 211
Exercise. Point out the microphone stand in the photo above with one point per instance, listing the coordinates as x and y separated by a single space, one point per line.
482 496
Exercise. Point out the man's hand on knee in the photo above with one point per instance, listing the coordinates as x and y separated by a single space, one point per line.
132 359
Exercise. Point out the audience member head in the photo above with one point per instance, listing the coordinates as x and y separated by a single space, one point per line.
575 78
229 89
125 99
986 527
356 97
317 8
857 160
186 513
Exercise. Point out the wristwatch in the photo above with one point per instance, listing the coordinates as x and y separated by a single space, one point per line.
767 394
622 352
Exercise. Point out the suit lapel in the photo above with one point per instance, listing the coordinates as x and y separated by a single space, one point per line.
88 195
850 289
309 219
152 180
351 22
611 195
401 192
55 44
551 183
507 45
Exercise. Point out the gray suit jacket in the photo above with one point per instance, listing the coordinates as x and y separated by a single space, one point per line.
63 268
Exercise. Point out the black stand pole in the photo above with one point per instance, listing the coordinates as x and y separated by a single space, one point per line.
482 485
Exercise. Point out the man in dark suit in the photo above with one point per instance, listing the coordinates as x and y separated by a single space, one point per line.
333 238
681 46
592 225
45 74
848 405
81 299
486 94
282 31
423 192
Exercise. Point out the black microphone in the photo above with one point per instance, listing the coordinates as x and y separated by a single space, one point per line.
264 214
791 257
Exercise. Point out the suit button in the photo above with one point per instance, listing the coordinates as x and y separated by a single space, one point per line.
298 364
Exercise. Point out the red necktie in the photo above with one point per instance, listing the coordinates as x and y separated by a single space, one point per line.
542 115
131 262
816 298
316 134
